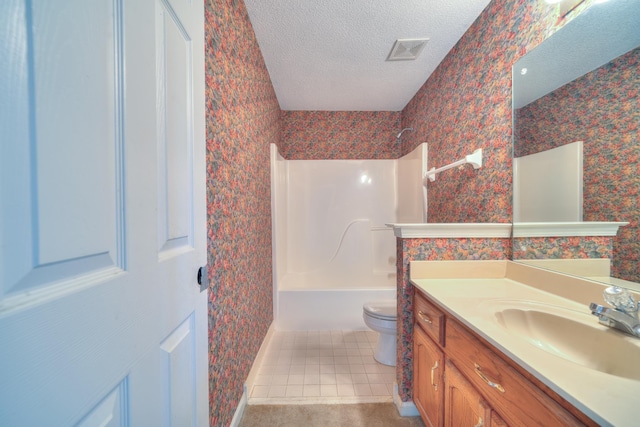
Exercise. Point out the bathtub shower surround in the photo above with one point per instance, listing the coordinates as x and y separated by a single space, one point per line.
332 251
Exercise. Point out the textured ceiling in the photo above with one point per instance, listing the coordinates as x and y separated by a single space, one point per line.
331 54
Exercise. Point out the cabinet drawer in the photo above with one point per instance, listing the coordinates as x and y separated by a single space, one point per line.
430 319
513 396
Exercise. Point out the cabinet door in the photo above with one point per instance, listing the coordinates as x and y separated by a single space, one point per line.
496 421
463 404
428 386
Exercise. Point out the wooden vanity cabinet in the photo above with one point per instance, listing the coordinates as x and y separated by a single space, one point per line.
510 393
463 405
428 365
478 385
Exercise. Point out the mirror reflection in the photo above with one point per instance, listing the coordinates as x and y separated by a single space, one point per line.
581 88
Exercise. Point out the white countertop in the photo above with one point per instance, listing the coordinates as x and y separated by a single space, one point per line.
460 288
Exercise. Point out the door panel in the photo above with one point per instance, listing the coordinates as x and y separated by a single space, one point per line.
175 139
82 66
179 358
59 227
112 411
97 327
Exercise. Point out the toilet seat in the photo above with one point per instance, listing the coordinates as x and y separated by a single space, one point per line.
383 310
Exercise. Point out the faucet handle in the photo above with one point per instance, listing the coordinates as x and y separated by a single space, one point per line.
620 299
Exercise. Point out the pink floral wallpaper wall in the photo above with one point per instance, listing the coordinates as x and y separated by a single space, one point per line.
562 247
243 118
466 104
600 108
311 135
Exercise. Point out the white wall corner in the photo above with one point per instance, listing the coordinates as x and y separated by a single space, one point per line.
405 409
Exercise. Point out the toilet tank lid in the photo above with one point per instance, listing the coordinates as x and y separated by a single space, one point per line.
385 308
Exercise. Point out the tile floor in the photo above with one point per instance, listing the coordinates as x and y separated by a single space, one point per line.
322 367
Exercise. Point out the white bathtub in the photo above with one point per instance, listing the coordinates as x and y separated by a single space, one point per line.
320 304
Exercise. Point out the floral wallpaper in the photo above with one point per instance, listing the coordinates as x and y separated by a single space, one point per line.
243 118
311 135
466 104
601 109
562 247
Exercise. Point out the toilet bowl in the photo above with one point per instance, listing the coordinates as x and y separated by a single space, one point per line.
381 317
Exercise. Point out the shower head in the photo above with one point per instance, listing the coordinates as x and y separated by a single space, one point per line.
402 131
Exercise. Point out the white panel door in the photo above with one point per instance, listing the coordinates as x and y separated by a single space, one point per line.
102 213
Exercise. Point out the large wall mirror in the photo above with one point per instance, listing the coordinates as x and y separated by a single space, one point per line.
581 87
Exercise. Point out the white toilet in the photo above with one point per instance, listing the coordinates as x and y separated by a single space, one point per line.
381 317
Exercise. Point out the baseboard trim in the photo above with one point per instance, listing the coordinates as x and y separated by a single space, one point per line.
257 362
237 416
253 373
405 409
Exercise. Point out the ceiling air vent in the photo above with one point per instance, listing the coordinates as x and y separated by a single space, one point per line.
406 49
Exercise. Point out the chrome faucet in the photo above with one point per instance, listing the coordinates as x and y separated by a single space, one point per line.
624 314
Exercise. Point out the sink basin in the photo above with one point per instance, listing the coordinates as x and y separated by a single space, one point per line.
572 335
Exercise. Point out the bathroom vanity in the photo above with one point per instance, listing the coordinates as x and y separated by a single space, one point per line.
499 343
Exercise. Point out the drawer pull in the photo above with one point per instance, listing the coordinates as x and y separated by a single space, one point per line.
487 380
424 317
435 386
480 422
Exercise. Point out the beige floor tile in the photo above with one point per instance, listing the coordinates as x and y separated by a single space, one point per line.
297 370
343 379
280 379
357 369
360 378
327 379
277 391
346 390
362 389
260 391
294 391
311 379
327 369
342 369
263 379
379 389
312 369
328 390
295 380
311 390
